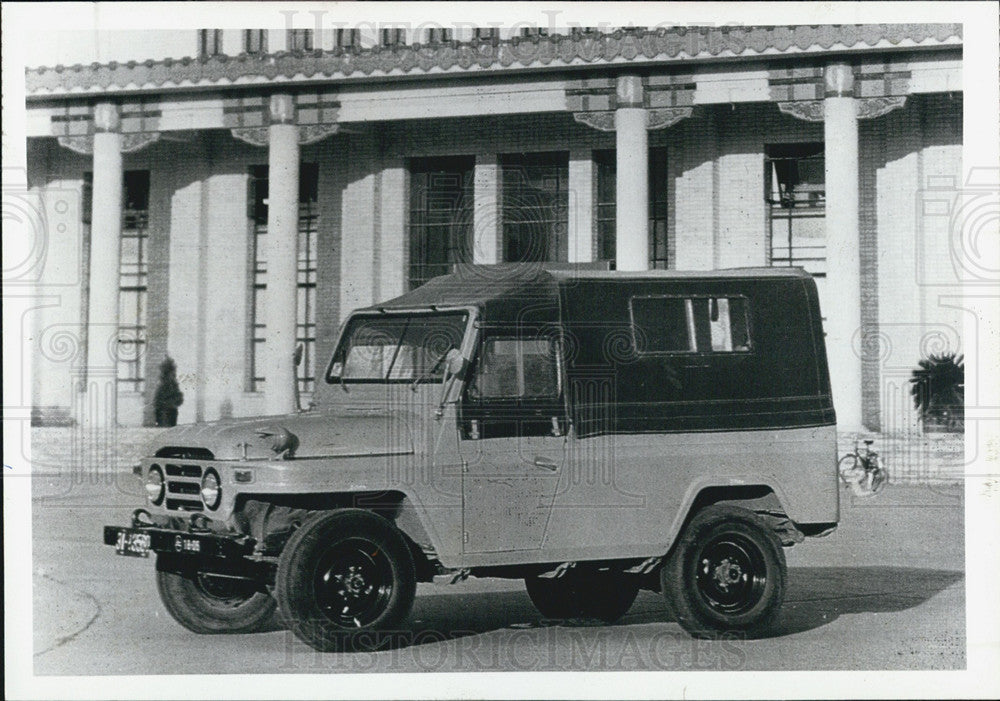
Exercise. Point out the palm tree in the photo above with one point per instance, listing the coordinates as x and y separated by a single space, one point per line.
939 391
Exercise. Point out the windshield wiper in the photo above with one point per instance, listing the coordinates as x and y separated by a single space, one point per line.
430 373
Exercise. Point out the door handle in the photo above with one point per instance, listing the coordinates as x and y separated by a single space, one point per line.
547 463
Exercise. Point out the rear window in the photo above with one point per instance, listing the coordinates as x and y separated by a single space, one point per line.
702 324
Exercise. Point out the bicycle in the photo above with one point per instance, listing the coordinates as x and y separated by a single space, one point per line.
864 472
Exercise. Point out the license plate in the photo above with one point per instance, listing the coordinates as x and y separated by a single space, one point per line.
133 543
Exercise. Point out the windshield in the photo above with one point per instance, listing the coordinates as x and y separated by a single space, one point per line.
388 348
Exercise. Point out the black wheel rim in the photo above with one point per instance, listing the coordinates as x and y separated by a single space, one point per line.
353 582
226 591
731 574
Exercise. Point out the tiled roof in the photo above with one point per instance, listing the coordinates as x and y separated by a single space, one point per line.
577 49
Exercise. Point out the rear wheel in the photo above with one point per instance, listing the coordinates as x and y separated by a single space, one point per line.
600 594
205 603
345 580
726 574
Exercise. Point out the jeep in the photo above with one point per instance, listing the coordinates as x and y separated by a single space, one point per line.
593 433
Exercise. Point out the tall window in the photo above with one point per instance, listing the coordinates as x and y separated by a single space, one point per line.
306 298
255 41
437 35
209 42
300 40
795 187
392 37
346 38
535 206
605 206
486 33
441 199
132 287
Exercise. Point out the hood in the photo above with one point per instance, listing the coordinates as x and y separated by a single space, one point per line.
319 434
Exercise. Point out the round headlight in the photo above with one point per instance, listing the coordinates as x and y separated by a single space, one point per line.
154 486
211 489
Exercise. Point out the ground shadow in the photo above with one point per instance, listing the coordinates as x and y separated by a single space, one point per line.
816 596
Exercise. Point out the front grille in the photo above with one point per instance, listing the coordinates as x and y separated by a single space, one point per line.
183 480
183 471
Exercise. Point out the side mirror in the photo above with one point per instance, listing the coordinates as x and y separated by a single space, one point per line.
454 363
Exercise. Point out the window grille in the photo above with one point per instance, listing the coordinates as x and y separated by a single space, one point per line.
795 194
441 202
535 206
133 272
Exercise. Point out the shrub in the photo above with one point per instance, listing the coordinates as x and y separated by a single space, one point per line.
168 394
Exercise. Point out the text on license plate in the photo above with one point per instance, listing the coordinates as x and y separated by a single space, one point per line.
133 543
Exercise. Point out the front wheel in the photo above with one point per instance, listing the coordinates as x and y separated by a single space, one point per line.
204 603
726 574
345 580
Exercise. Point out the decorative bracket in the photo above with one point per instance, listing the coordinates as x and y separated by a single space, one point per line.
602 121
807 110
134 142
867 107
308 134
84 143
871 107
311 133
658 118
663 117
255 136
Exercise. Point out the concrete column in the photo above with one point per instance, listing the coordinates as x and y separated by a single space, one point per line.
393 253
843 321
632 179
582 180
282 256
487 232
100 408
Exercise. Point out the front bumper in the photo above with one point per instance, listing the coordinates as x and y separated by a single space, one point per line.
190 551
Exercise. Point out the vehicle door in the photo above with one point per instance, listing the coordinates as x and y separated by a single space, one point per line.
512 436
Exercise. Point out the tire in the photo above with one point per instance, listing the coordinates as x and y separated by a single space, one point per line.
345 581
603 595
725 542
213 605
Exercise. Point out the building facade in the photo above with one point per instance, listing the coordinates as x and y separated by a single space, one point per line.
233 206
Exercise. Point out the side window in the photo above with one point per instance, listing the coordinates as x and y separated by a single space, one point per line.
511 368
690 324
663 325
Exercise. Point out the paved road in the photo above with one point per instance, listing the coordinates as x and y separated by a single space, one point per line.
885 591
